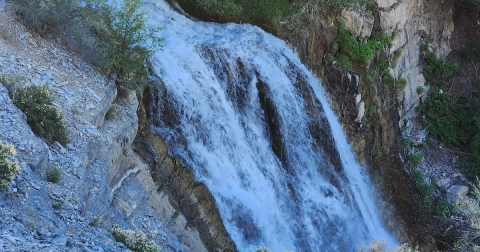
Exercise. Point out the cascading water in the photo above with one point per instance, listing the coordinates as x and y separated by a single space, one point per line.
254 125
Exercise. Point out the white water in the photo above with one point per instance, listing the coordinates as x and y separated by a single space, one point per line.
220 131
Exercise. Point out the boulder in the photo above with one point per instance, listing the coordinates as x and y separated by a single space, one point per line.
360 26
456 193
361 112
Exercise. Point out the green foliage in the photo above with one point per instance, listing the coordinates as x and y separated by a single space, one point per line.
273 10
351 47
8 167
379 41
415 159
371 110
400 84
420 90
57 206
43 118
175 214
124 37
136 241
443 207
437 71
344 62
384 67
470 51
425 189
54 175
442 123
43 16
405 143
456 125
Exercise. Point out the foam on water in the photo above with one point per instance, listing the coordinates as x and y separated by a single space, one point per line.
211 73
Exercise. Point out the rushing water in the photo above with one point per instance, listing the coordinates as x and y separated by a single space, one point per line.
278 193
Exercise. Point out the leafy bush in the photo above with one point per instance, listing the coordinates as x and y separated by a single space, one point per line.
415 159
272 10
45 120
54 175
420 90
437 71
57 206
400 84
45 15
351 47
425 189
8 168
123 36
344 62
136 241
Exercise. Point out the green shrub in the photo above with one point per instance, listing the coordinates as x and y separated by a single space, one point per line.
8 168
400 84
420 90
344 62
351 47
425 190
43 118
437 71
405 143
57 206
136 241
43 16
124 37
54 175
415 159
371 110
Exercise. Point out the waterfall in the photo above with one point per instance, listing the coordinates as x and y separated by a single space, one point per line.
255 127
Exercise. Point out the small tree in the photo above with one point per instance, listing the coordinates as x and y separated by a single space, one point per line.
8 168
124 38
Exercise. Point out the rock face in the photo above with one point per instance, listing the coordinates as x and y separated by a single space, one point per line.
178 182
360 26
103 181
415 23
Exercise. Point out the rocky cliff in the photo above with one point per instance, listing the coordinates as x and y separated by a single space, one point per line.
103 181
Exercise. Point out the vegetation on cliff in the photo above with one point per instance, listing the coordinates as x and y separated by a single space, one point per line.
8 167
272 12
121 32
